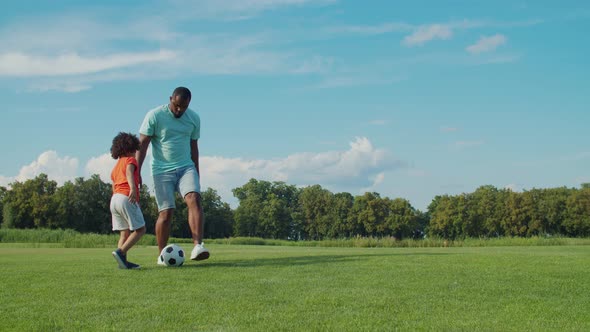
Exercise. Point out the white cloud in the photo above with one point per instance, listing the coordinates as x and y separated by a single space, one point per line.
76 49
377 179
5 181
486 44
62 169
101 165
237 9
24 65
421 34
426 33
59 169
350 170
59 86
359 167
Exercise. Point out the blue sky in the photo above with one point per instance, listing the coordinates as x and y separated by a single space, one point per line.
409 99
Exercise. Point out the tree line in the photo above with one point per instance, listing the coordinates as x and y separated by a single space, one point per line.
281 211
491 212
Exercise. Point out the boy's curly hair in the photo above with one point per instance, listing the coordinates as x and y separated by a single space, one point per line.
124 143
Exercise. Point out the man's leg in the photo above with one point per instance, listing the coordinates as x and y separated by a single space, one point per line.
163 226
196 221
189 187
165 188
195 216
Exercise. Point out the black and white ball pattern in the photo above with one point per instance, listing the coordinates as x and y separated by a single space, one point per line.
172 255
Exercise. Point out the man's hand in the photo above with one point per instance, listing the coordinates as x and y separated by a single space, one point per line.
144 142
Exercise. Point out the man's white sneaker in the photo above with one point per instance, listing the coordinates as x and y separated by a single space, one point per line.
199 252
161 261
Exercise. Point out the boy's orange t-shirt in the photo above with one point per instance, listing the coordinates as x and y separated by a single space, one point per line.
119 176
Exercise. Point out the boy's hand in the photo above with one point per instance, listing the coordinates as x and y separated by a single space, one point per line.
132 196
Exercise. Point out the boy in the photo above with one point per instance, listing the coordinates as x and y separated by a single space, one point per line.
127 216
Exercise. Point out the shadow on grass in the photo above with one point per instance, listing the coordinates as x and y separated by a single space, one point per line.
296 260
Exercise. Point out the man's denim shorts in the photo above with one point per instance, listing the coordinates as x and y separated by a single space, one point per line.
183 180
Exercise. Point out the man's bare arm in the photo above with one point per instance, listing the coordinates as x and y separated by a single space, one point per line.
144 142
195 154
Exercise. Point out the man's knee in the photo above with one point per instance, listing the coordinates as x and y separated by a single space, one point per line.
193 199
165 215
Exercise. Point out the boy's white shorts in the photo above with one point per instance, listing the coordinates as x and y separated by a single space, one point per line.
126 215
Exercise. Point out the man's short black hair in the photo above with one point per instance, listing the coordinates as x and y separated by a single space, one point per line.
182 92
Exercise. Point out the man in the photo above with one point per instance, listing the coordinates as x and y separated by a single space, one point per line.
174 130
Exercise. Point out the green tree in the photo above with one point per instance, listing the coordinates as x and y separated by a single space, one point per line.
370 212
3 191
218 215
448 216
342 227
577 220
247 215
275 218
515 222
266 209
531 203
31 204
554 208
180 226
66 206
149 208
316 205
485 212
402 219
90 202
423 220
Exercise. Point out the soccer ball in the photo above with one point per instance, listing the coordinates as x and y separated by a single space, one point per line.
172 255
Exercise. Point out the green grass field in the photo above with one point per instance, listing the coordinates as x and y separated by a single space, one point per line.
270 288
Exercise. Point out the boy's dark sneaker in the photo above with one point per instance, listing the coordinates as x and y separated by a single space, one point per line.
120 258
132 265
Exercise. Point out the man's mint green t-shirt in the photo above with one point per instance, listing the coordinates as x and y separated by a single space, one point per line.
170 137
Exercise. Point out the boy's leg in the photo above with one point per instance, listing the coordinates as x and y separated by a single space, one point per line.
120 224
135 220
123 238
132 239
